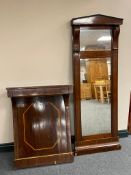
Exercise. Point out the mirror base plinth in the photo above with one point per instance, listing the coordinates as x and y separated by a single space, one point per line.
95 148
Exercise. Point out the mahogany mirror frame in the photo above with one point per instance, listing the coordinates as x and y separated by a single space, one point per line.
100 142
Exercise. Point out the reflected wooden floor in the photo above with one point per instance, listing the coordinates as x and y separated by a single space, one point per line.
96 117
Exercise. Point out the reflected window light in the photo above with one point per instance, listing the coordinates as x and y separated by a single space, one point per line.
35 126
104 38
40 106
42 124
63 122
82 48
81 21
63 105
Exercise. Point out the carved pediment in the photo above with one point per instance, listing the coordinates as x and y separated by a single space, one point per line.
97 19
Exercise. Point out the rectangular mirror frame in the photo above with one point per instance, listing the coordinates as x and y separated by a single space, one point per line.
100 142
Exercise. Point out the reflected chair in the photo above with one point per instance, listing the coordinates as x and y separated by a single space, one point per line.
108 92
102 90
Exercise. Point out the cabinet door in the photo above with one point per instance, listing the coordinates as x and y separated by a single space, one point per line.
86 91
102 70
97 70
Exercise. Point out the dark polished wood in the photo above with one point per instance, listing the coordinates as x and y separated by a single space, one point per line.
41 125
95 148
100 142
75 41
95 54
129 117
39 90
97 20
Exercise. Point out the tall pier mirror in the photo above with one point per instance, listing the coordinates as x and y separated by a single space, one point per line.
95 69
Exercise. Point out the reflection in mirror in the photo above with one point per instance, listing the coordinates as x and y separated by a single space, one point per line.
95 83
95 39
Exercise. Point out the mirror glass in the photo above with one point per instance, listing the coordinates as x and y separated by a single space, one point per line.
95 85
95 39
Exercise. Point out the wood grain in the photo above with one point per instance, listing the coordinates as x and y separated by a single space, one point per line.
98 142
41 125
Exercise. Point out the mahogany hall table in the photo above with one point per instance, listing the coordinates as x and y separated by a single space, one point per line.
41 125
